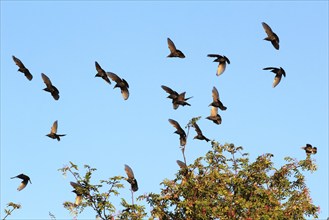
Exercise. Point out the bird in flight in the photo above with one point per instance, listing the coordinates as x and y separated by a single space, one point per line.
177 99
271 36
25 181
173 51
53 132
120 83
214 116
199 135
50 87
216 101
22 68
131 178
309 149
179 131
78 190
222 60
278 74
101 73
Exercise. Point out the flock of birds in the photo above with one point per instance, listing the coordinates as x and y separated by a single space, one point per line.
177 100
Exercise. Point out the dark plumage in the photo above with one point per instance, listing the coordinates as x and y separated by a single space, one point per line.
173 51
214 116
79 191
199 135
179 131
216 101
53 132
271 36
177 99
131 178
50 87
222 60
120 83
101 73
278 74
22 68
25 181
309 149
183 167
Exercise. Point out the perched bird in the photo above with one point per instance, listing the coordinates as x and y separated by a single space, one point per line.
278 74
177 99
183 167
25 181
199 135
131 178
49 87
78 190
53 132
22 68
101 73
179 131
271 36
309 149
173 51
120 83
216 101
214 116
222 60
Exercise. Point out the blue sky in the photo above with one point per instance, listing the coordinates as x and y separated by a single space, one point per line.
64 39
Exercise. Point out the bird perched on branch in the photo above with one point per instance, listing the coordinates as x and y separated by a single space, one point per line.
199 135
309 149
177 99
216 101
271 36
78 190
25 181
214 116
22 68
101 73
222 60
50 87
179 131
53 132
183 167
278 74
131 178
120 83
173 51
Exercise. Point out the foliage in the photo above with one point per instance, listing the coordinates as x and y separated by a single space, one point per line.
13 207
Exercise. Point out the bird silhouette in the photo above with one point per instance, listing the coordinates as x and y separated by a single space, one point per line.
177 99
278 74
22 68
120 83
179 131
222 60
199 135
79 191
173 51
50 87
309 149
183 167
25 181
216 101
131 178
53 132
214 116
101 73
271 36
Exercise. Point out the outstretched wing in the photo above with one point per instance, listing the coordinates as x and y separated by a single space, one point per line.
54 127
171 45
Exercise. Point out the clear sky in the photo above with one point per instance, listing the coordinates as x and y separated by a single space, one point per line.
64 39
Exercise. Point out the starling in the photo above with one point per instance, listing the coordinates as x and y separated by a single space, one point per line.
179 131
49 87
101 73
199 135
131 178
120 83
309 149
183 167
222 60
78 190
173 51
271 36
25 181
278 74
216 101
22 68
177 99
53 132
214 116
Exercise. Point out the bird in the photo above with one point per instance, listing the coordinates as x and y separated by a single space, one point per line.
222 60
22 68
214 116
131 178
120 83
179 131
53 132
177 99
101 73
50 87
25 181
216 101
309 149
199 135
271 36
78 190
173 51
183 167
278 74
